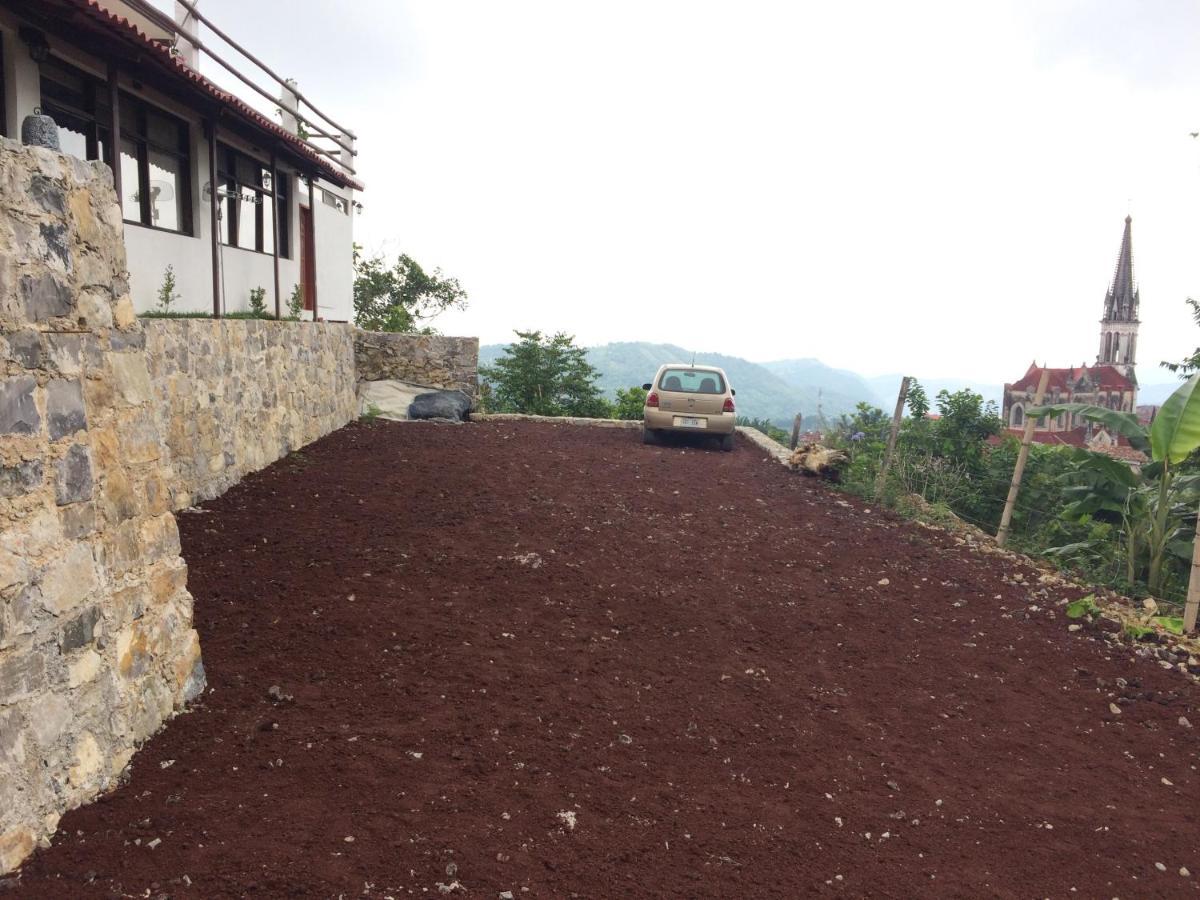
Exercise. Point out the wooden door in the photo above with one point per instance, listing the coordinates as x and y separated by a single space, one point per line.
308 268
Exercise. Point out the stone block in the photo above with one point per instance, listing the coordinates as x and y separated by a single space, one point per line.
57 241
84 667
78 520
73 476
130 377
48 716
64 408
21 675
26 348
133 651
89 760
14 570
20 478
15 845
69 580
48 195
80 631
12 738
45 297
18 406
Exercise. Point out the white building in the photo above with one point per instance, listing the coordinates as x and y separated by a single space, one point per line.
283 208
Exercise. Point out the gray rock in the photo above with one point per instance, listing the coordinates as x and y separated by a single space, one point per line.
18 411
40 131
73 476
47 194
57 242
80 631
45 297
453 405
64 408
20 479
26 348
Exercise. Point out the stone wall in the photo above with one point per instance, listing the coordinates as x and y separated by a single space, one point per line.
435 361
97 647
236 395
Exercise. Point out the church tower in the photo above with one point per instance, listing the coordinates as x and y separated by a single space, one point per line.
1119 327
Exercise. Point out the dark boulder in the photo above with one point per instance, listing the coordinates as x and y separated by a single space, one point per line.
452 405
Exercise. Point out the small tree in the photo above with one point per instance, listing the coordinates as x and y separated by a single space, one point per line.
296 302
258 303
545 376
631 403
166 291
400 295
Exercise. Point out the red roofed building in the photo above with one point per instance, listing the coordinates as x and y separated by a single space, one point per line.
1111 382
233 195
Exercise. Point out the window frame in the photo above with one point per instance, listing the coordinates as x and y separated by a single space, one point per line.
143 144
96 123
232 188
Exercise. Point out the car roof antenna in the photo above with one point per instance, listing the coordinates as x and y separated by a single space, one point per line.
693 357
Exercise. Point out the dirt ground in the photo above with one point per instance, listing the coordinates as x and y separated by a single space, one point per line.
552 661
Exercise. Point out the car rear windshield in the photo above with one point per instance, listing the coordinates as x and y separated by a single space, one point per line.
692 381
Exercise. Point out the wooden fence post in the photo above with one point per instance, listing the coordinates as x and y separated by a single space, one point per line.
1193 594
1022 456
796 431
891 444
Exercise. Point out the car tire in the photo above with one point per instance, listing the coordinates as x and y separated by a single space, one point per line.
649 437
727 442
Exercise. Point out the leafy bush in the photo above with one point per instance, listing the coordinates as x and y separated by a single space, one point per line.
546 376
166 291
258 303
631 403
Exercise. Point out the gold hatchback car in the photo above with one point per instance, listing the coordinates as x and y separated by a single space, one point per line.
689 399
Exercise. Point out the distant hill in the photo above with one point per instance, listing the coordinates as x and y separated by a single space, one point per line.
774 391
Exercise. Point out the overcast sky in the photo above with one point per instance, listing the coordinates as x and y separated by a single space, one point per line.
933 188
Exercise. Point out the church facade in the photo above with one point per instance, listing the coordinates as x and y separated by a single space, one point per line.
1110 382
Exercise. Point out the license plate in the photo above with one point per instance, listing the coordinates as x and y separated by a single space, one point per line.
690 422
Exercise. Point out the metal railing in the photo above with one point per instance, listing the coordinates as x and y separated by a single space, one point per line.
316 122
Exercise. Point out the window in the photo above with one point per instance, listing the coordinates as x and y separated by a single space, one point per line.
250 203
78 103
331 199
155 167
1018 416
692 381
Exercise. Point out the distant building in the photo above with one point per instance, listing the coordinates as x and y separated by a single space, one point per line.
1111 382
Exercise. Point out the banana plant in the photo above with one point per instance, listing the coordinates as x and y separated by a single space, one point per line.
1156 499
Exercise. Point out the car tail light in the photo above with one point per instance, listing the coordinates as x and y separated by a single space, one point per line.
652 399
728 407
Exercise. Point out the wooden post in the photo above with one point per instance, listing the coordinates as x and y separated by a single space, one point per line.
114 132
312 254
275 226
1022 456
214 215
1193 594
796 430
891 444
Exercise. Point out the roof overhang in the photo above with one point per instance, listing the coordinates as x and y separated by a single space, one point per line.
85 24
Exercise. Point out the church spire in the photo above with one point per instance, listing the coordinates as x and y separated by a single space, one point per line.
1119 327
1120 305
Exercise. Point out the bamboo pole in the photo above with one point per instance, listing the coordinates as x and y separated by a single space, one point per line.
1022 456
1193 593
891 444
796 431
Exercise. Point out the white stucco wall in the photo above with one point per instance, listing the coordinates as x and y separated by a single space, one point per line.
334 239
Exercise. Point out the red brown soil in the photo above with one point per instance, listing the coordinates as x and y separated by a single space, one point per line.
705 670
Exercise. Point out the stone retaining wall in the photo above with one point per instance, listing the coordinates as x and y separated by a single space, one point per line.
430 360
97 647
236 395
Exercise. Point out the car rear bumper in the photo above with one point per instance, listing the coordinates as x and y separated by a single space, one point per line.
659 420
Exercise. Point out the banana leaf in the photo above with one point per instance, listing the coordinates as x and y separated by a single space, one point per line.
1176 429
1123 423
